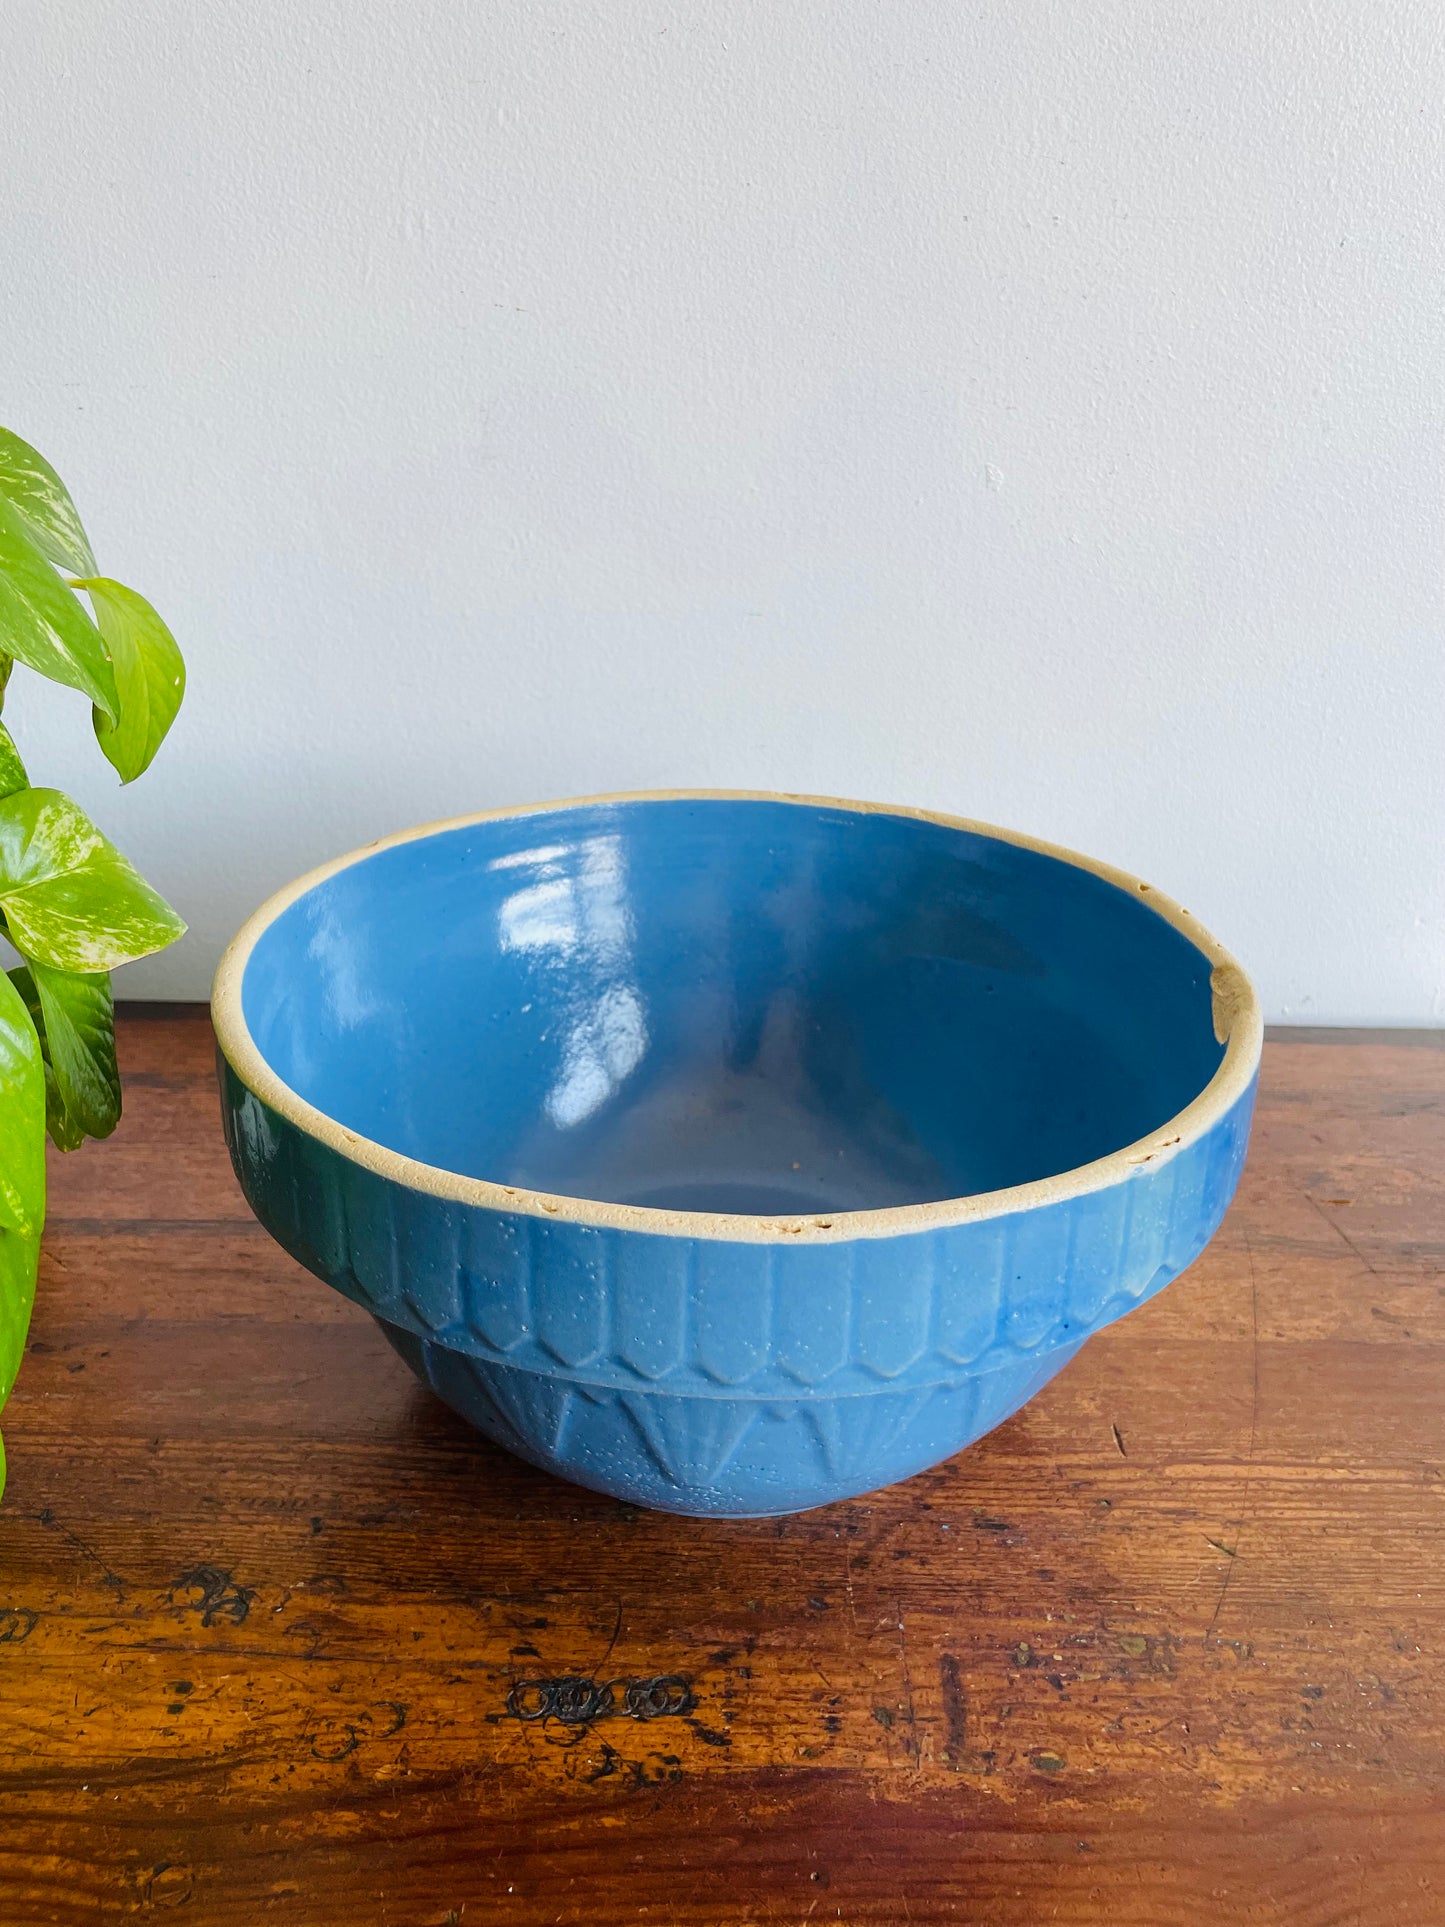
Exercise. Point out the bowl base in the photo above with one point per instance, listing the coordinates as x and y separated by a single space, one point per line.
723 1457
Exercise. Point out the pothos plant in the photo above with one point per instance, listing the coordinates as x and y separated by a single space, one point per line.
71 906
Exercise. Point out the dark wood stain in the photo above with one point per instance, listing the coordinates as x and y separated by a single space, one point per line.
282 1641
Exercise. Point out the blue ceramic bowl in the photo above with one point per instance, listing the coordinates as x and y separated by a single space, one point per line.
734 1153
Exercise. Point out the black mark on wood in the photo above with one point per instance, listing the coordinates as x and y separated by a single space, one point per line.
16 1623
577 1700
214 1594
333 1740
709 1735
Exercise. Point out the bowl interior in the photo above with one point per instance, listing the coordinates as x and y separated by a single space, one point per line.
732 1005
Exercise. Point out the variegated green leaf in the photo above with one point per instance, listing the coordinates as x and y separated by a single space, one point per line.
22 1178
80 1041
42 624
65 1133
29 482
70 898
22 1147
150 677
12 770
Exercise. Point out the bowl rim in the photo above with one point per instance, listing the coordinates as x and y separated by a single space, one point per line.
1238 1025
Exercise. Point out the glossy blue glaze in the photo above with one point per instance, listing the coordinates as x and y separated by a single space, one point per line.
833 1026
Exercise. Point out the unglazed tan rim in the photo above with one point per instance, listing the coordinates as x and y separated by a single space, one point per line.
1237 1025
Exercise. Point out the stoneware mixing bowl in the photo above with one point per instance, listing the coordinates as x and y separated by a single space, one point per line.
734 1153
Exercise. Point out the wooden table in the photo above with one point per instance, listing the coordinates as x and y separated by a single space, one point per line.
1166 1648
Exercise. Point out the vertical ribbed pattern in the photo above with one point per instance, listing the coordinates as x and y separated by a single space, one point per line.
371 1227
570 1261
1195 1177
496 1266
732 1311
389 1203
892 1302
430 1265
637 1309
1175 1185
1148 1230
332 1227
969 1287
651 1284
812 1322
1035 1279
1100 1252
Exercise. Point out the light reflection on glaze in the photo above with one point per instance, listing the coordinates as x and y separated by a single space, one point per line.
601 1050
529 859
333 946
576 912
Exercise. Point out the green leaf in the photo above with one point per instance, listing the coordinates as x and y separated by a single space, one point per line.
22 1117
80 1040
22 1176
32 485
12 770
65 1133
70 898
42 624
150 677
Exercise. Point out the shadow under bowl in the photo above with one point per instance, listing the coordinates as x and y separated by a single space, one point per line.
727 1153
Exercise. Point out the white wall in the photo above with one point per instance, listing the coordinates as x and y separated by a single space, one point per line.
1025 409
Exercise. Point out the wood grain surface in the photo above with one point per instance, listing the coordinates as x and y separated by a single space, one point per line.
282 1641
